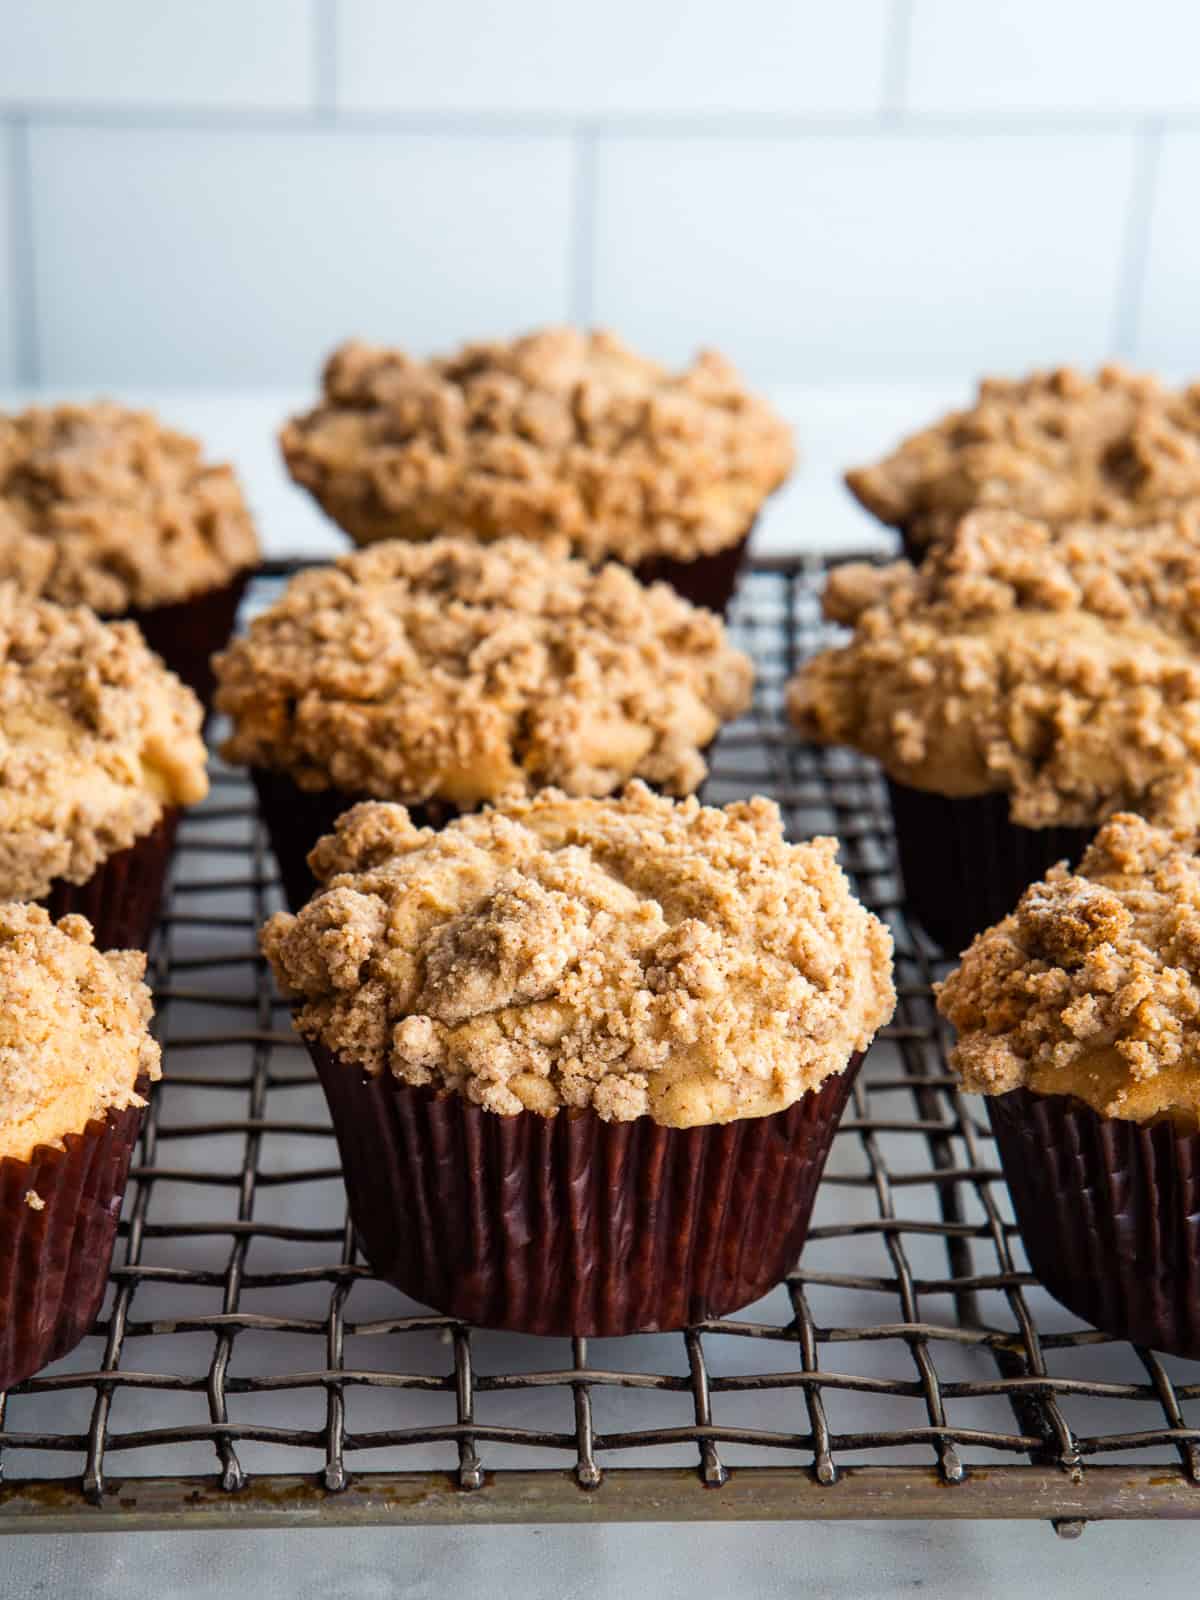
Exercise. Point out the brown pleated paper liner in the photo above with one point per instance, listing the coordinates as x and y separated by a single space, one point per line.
187 633
54 1259
1109 1212
707 581
296 818
965 864
121 899
570 1225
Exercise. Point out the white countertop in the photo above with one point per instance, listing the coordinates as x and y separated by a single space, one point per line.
836 427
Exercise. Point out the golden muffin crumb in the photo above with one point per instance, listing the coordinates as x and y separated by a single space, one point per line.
637 956
1118 448
462 671
1059 664
74 1036
556 433
1092 987
96 738
108 508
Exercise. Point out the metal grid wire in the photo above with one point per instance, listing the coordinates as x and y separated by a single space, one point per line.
249 1369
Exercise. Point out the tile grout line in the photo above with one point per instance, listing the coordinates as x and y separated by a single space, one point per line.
896 60
21 255
582 227
1135 248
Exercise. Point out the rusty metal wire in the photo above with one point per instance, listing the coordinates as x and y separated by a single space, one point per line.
244 1341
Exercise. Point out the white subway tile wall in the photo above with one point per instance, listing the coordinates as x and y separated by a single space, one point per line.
880 188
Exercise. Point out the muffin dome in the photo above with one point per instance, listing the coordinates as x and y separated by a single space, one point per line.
1118 448
73 1029
1092 987
634 955
108 508
557 433
1059 665
96 738
462 671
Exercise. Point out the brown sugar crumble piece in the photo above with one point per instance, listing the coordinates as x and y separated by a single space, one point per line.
1059 664
34 1200
463 671
1119 448
1091 987
105 507
558 433
635 956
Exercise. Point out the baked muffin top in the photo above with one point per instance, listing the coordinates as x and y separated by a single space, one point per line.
96 738
1059 664
1114 448
74 1038
461 670
108 508
559 432
1092 987
637 956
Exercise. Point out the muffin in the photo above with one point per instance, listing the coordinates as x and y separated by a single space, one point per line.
447 673
105 507
1079 1018
584 1057
76 1060
556 434
1118 449
1024 685
99 748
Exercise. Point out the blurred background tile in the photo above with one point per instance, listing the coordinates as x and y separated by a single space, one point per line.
864 255
1069 56
1168 328
192 256
247 53
625 56
9 309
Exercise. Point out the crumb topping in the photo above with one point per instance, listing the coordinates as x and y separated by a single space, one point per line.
108 508
556 433
462 671
636 956
96 738
1118 448
74 1035
1092 987
1059 664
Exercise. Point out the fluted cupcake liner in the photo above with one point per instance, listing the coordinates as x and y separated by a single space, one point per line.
571 1225
1109 1212
187 633
707 581
121 899
296 818
55 1249
965 864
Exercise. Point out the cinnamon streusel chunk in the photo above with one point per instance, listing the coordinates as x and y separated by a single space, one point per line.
1059 664
1118 448
460 670
1092 987
108 508
74 1036
557 433
96 738
637 956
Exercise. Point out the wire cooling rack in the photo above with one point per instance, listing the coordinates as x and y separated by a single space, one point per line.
248 1369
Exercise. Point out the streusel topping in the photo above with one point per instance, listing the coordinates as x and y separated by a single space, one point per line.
74 1038
96 738
1062 665
461 670
1092 987
1118 448
557 433
108 508
637 956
